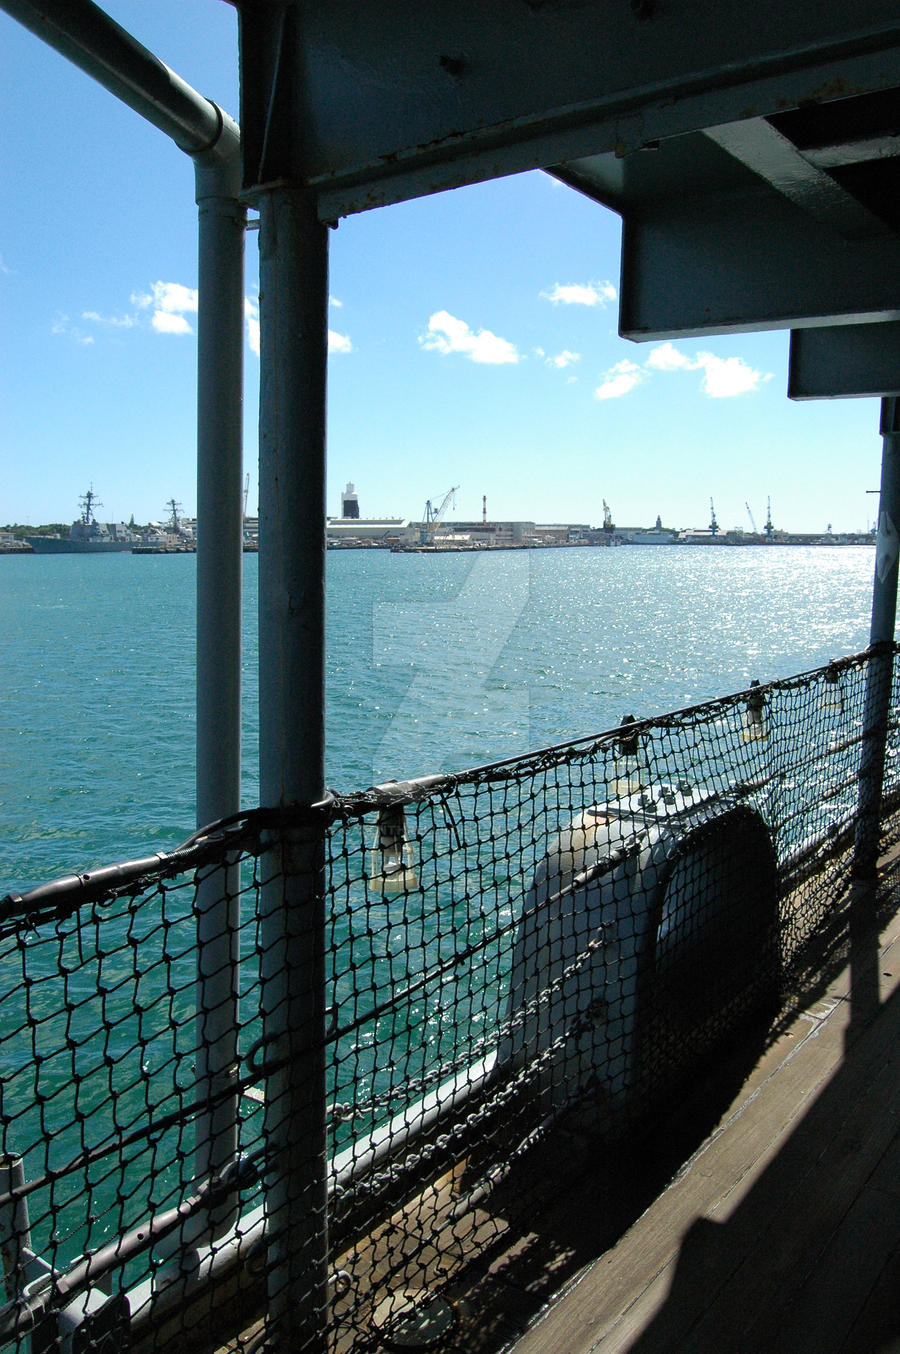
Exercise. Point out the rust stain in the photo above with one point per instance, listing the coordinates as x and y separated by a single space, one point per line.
836 88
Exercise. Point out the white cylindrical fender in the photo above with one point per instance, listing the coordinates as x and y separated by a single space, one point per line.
642 935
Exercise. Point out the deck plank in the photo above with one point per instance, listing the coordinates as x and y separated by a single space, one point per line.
743 1244
792 1224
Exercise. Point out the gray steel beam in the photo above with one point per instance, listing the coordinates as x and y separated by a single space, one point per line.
762 148
744 260
855 151
294 341
840 361
377 108
879 676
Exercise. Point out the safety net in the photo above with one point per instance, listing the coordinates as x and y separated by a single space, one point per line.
330 1079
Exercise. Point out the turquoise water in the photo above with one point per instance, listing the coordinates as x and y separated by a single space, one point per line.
434 663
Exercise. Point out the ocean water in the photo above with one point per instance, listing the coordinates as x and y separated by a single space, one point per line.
434 663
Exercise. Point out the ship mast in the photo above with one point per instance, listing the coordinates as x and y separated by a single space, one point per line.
88 502
174 524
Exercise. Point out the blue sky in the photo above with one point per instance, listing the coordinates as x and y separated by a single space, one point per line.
474 338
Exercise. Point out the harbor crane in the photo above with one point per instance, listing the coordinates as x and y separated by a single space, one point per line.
433 518
750 515
608 524
769 528
713 524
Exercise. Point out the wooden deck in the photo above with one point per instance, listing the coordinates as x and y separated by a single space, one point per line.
781 1233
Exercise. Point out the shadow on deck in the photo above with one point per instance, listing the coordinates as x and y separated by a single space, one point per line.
782 1231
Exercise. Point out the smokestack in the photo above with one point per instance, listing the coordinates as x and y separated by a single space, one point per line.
484 509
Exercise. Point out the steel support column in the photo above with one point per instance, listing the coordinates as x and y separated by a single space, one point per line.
879 678
294 331
84 33
220 326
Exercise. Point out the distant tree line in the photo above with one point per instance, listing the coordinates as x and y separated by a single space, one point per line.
20 530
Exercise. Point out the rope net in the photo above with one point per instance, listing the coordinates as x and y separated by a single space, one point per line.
330 1080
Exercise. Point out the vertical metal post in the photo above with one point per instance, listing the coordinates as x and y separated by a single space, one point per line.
83 33
294 331
879 677
220 324
15 1230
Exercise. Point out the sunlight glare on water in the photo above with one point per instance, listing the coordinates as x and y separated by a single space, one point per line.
434 663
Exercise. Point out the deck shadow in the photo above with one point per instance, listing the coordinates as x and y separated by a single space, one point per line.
809 1258
571 1199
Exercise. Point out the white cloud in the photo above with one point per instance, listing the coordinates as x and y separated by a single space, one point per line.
668 358
619 380
172 297
170 302
563 359
166 323
447 334
63 326
113 321
166 307
581 293
333 301
727 376
251 315
723 377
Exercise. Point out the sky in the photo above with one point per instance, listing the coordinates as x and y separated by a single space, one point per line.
473 338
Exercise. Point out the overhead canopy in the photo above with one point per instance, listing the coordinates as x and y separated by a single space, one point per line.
844 360
750 149
766 223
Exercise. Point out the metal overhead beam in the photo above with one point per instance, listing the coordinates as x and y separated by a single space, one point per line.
366 107
749 260
859 150
844 132
843 361
762 148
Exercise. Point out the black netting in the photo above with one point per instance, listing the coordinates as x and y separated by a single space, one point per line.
522 967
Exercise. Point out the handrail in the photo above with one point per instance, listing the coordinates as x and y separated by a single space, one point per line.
88 37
